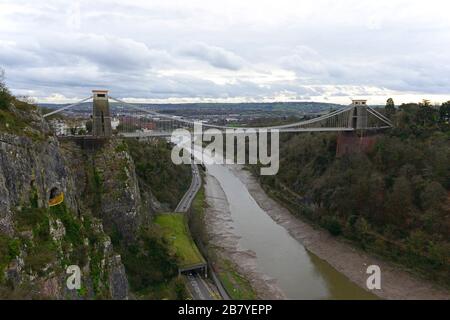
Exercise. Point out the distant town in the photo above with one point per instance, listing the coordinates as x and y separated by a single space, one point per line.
77 120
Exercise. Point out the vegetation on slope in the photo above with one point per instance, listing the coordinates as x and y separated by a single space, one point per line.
393 201
167 181
150 265
45 252
16 116
197 218
177 234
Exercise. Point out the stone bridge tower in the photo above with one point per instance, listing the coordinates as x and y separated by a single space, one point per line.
357 141
358 117
101 118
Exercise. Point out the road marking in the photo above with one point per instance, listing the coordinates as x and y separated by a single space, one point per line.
207 287
196 287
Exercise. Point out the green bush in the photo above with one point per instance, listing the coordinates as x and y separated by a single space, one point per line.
40 255
332 225
148 261
9 249
167 181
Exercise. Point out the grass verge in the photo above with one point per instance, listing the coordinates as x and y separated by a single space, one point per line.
177 233
236 285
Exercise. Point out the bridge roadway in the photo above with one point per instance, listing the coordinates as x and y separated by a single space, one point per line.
156 134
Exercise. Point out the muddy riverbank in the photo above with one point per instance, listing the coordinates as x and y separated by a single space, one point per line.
277 265
396 283
225 243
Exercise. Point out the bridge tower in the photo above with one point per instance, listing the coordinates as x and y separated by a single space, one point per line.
101 117
358 117
356 141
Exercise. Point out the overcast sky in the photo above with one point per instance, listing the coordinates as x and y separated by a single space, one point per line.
208 50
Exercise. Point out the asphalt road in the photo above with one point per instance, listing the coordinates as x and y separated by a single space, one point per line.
186 201
198 287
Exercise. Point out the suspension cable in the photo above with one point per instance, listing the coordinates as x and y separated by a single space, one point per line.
296 124
66 107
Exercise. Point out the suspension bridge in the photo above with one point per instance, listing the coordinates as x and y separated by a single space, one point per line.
135 120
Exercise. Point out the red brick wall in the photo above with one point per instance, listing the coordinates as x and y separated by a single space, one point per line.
348 143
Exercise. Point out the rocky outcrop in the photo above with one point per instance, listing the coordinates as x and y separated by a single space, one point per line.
117 279
105 177
28 166
121 206
38 242
149 201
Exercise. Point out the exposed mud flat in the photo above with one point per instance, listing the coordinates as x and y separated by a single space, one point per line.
353 263
222 237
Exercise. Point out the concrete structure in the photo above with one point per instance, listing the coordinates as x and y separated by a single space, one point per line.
101 117
358 116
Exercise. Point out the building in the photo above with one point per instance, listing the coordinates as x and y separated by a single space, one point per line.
59 127
148 126
115 123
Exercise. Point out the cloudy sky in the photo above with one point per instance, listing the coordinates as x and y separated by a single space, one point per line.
245 50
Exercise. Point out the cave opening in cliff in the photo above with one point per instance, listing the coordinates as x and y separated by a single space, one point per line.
56 197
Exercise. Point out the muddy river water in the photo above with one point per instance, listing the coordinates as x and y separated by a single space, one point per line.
299 273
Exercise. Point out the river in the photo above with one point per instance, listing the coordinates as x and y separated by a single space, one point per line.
299 273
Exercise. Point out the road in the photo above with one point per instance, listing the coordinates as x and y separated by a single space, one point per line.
186 201
197 286
199 289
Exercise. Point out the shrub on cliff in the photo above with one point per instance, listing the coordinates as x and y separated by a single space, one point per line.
148 262
167 181
5 96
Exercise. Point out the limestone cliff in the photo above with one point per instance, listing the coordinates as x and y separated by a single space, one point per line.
106 181
37 243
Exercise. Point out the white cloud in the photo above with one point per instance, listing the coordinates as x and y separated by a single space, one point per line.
234 50
215 56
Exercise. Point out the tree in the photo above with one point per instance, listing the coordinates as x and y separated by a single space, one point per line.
390 107
426 115
444 112
425 103
433 196
5 96
399 202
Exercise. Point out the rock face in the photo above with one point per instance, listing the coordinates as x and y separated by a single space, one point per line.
38 242
113 186
121 206
117 279
27 165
